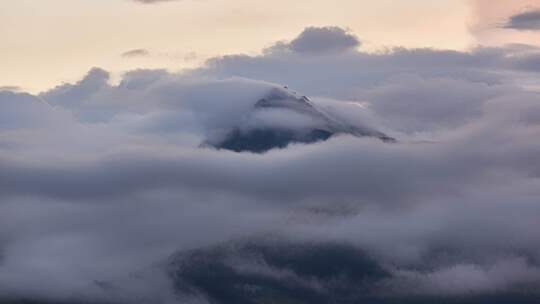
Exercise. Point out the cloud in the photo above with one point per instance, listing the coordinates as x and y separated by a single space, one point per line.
136 53
491 20
347 75
10 88
106 186
22 110
320 40
529 20
470 278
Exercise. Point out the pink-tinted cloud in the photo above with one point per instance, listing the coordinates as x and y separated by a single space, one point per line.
490 19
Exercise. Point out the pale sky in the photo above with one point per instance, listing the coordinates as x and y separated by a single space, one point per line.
45 43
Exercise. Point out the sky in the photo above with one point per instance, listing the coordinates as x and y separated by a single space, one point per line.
220 152
46 43
49 42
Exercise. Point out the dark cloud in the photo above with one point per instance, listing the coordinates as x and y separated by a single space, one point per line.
321 272
109 188
136 53
319 40
526 21
325 39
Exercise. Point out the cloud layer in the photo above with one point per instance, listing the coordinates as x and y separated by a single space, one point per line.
136 53
107 189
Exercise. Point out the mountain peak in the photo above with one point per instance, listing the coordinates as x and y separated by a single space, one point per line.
282 117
